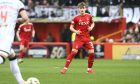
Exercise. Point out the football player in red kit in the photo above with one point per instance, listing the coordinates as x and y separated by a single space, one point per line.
81 24
25 33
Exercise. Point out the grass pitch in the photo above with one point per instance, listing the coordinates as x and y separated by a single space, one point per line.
48 72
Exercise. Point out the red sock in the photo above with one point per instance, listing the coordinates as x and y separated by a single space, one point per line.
90 60
21 54
69 59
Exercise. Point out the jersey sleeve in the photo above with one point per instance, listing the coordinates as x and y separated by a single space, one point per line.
73 21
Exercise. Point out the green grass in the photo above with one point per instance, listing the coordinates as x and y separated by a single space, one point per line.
47 71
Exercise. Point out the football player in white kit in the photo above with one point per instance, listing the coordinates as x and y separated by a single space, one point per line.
9 10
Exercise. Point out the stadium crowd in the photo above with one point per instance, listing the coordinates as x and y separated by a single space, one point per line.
75 2
59 10
132 33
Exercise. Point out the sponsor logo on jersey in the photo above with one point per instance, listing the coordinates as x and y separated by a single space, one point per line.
83 22
27 29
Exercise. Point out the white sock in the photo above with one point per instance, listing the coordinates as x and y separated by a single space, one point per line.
16 71
89 68
65 68
1 60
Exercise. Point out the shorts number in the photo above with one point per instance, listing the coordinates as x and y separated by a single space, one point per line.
3 16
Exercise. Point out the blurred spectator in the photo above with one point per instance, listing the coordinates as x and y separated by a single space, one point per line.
56 3
66 34
129 35
50 38
131 3
53 14
36 3
31 13
45 3
70 3
54 9
59 12
114 2
35 39
44 14
91 2
102 12
137 33
30 4
53 2
138 37
73 35
25 2
128 38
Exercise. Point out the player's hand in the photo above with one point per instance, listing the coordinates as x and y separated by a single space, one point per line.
78 32
19 20
90 28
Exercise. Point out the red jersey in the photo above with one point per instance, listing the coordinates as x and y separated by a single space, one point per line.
25 31
82 23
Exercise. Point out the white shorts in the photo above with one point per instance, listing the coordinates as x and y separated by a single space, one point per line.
6 44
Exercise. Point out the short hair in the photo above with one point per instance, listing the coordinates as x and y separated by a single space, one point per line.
82 4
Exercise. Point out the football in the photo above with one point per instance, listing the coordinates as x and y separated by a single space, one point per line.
33 80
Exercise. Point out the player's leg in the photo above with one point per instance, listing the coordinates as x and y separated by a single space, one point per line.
13 64
21 54
68 60
15 68
22 51
90 61
76 46
3 48
3 55
90 49
2 59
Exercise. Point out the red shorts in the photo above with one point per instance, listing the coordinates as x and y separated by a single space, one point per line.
24 42
87 44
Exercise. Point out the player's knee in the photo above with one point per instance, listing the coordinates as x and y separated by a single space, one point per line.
2 59
25 49
21 47
12 55
75 50
91 51
4 54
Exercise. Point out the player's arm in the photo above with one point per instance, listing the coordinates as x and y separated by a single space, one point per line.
17 34
92 24
73 22
33 33
74 30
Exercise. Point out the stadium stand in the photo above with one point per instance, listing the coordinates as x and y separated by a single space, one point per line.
120 17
